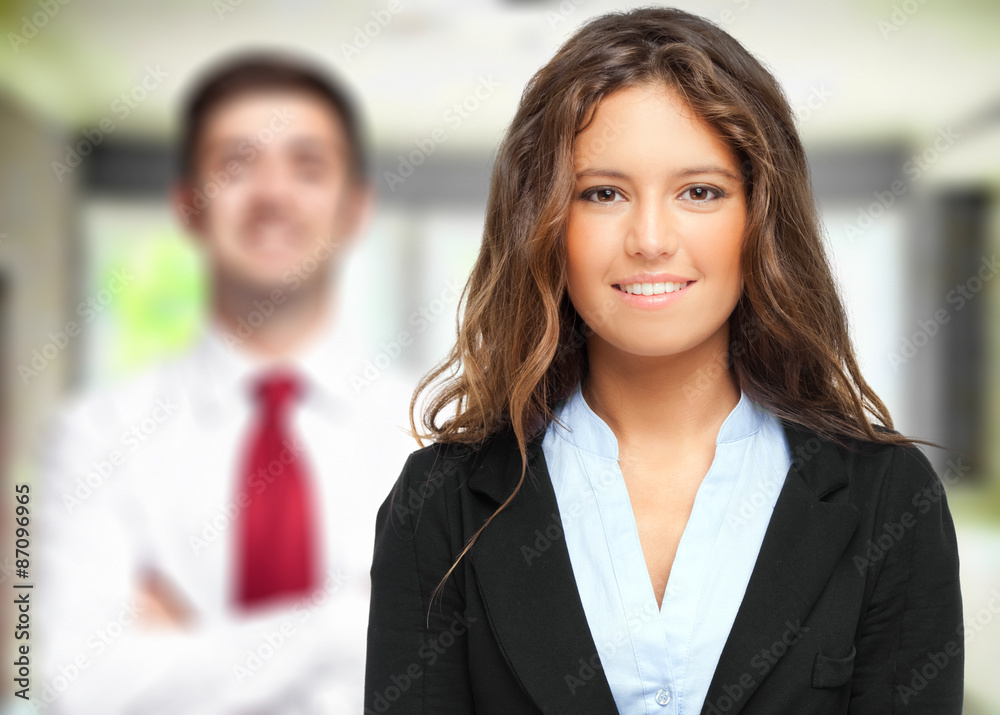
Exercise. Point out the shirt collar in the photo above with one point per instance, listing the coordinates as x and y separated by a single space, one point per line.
324 364
588 432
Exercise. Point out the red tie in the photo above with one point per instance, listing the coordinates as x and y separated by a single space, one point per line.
276 551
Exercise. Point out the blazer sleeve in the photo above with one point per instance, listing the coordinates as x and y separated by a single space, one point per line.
417 657
911 644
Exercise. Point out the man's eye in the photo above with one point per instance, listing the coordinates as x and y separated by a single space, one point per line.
226 163
310 167
700 194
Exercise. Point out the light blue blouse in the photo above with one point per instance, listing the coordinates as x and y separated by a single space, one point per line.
662 660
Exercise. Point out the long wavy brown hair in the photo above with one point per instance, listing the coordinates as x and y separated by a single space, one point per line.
521 346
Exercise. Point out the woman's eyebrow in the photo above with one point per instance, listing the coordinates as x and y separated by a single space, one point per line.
691 171
607 173
711 169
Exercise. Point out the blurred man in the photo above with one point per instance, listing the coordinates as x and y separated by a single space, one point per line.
208 525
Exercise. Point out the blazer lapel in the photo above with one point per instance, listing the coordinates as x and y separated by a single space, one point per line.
527 584
803 542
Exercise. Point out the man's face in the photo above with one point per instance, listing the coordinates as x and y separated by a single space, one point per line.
273 193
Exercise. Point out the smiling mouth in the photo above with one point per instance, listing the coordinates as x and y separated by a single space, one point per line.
651 288
271 240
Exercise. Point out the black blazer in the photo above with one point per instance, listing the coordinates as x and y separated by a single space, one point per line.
853 606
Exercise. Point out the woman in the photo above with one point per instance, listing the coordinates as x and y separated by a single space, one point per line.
659 489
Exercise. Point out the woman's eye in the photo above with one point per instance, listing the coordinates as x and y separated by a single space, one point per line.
700 194
602 195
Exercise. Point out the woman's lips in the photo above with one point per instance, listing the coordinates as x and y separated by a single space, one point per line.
652 302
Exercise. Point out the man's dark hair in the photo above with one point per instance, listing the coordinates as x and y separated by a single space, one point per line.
262 71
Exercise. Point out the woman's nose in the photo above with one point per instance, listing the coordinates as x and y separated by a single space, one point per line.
653 230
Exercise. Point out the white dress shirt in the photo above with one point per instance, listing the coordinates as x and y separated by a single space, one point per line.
661 660
143 477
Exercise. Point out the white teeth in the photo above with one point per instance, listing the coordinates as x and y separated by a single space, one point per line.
651 288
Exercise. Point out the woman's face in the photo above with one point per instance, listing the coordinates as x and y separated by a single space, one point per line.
655 225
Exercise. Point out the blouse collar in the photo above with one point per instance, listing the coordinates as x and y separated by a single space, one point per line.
588 432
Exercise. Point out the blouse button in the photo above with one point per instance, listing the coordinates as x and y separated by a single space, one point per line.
663 696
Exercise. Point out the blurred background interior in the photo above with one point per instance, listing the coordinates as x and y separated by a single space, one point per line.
897 102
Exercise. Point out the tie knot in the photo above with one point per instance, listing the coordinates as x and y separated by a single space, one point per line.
276 388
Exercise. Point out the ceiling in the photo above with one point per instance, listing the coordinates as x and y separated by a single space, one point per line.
874 71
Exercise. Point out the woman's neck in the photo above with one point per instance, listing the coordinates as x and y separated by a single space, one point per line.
670 402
